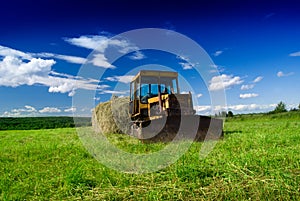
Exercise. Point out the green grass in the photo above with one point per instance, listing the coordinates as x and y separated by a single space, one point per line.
258 159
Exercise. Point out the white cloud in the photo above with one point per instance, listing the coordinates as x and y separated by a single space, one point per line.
71 109
251 107
62 88
67 58
218 53
216 68
65 83
20 112
14 72
182 57
30 108
50 110
97 98
100 44
239 108
199 95
249 95
6 51
187 66
71 59
18 68
13 114
224 82
247 86
188 92
202 108
124 78
101 61
251 86
281 74
113 92
295 54
29 111
185 62
138 55
90 42
26 109
258 79
72 93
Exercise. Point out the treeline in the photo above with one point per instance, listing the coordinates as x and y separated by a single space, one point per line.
280 108
33 123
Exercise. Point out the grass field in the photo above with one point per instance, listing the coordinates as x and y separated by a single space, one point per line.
258 159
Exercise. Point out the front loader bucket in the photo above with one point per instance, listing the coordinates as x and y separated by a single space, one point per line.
169 128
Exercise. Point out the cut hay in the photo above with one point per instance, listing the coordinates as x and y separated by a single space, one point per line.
112 116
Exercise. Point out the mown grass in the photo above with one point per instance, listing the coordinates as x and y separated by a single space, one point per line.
258 160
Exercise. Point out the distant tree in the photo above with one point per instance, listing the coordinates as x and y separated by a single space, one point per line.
299 106
230 114
281 107
293 109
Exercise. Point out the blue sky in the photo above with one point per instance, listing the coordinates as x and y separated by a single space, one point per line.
255 45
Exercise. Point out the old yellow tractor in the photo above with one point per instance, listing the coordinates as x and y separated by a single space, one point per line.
159 112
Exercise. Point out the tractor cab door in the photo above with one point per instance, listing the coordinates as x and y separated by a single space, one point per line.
134 97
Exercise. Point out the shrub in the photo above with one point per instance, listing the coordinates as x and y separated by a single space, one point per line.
230 114
281 107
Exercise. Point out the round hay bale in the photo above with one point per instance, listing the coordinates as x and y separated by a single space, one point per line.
112 116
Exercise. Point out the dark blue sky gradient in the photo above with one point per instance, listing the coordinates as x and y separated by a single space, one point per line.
225 22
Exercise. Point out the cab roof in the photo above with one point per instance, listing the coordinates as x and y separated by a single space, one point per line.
155 73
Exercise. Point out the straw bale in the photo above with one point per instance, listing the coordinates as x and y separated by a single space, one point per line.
112 116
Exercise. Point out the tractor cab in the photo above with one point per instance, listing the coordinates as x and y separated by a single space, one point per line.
154 94
148 86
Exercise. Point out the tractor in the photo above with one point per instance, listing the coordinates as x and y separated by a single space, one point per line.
159 112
